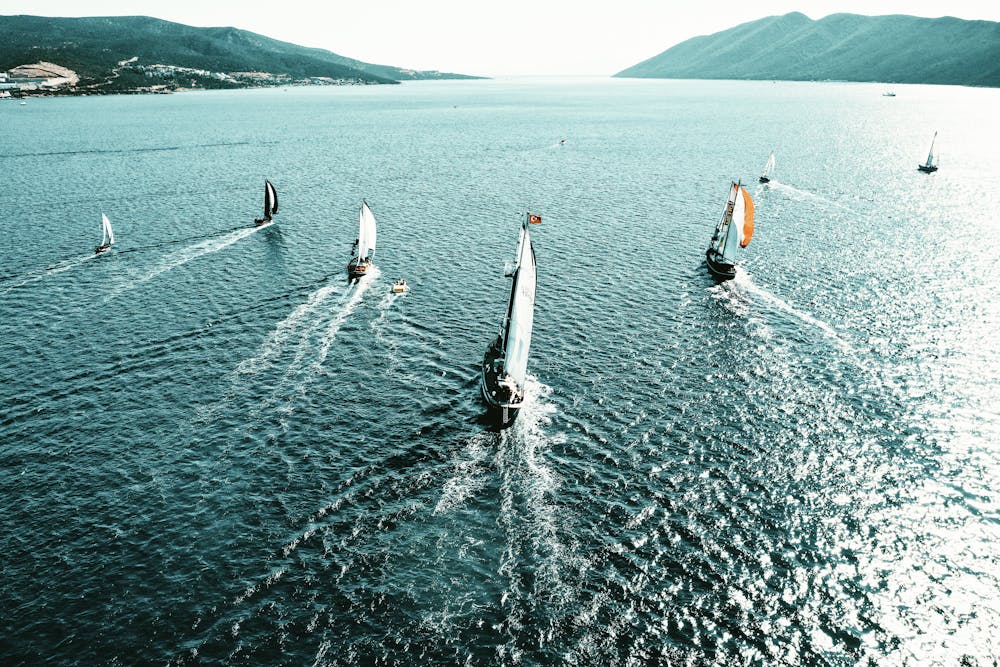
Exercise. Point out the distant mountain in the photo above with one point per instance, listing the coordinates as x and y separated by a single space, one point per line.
95 48
840 47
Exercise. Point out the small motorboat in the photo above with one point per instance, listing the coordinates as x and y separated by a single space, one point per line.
399 287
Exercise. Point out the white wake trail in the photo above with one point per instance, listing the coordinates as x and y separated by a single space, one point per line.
288 327
746 283
333 327
51 271
184 255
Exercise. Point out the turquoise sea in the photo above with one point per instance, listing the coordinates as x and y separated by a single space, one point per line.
214 451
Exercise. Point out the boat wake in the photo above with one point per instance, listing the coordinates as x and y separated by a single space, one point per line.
184 255
802 195
745 284
34 276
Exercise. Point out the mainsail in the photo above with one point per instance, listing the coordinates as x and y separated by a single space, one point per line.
769 167
520 311
270 200
107 235
366 231
930 153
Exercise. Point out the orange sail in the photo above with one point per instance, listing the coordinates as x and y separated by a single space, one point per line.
747 218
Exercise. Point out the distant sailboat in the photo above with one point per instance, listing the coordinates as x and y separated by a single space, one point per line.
107 236
888 93
733 231
765 177
505 364
931 165
270 203
363 251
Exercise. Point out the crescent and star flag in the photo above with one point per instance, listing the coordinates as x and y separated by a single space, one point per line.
534 219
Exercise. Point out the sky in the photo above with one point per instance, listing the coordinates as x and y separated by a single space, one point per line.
512 37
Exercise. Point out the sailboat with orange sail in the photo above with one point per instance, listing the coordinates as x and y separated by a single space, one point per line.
734 231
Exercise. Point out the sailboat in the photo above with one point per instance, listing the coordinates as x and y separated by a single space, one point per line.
363 251
270 203
733 231
107 236
929 166
505 364
765 177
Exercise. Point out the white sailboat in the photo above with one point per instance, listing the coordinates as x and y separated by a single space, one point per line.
107 236
765 176
270 203
505 365
931 165
363 251
734 231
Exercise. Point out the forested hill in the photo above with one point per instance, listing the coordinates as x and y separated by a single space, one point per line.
840 47
96 47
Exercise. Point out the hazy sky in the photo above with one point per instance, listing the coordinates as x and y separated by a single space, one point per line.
492 38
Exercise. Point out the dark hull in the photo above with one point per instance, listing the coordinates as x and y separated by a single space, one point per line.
764 179
719 270
926 169
102 248
500 404
261 221
357 270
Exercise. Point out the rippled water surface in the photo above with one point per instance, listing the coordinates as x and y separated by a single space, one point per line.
213 450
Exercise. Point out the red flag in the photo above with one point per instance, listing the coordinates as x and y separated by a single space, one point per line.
534 219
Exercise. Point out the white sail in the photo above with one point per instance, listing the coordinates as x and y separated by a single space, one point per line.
769 166
522 311
366 231
107 235
734 230
930 153
270 199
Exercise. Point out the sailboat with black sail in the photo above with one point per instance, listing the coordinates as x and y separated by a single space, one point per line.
734 231
765 176
270 203
931 165
107 236
505 365
363 251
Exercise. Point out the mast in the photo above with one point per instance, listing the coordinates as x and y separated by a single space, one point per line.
722 229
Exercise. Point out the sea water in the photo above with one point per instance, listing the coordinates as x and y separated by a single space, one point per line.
214 450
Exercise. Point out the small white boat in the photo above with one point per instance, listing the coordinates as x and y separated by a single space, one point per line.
24 104
399 287
888 93
107 236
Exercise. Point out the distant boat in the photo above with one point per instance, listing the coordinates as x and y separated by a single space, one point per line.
931 165
765 177
270 203
399 287
888 93
107 236
505 364
24 104
733 231
363 251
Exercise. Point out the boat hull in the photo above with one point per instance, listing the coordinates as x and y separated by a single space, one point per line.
927 169
719 270
356 269
102 249
261 221
764 179
502 405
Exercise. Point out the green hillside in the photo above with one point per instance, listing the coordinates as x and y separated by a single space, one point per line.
93 47
840 47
